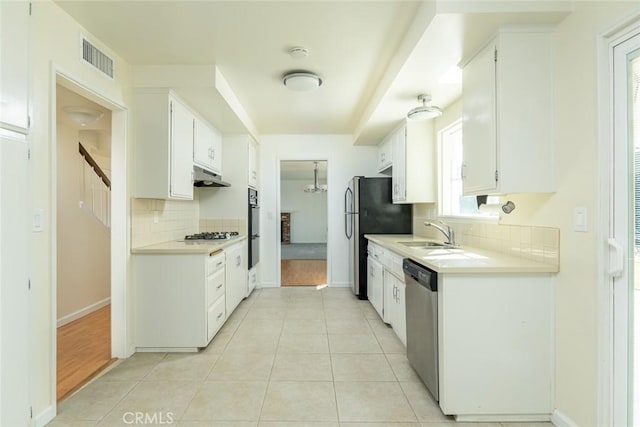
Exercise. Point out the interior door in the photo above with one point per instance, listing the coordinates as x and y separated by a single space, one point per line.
624 238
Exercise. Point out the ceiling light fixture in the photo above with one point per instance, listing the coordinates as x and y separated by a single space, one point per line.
424 112
301 81
298 52
83 116
315 187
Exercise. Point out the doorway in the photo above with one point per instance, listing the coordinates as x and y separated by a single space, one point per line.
624 232
303 223
83 246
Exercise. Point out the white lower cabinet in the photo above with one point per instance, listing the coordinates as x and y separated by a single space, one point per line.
394 305
496 346
175 295
375 284
253 280
394 295
236 272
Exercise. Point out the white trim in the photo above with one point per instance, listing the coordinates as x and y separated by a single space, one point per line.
605 344
45 417
340 285
560 419
83 312
121 346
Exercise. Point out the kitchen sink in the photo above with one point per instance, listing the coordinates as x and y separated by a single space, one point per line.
425 245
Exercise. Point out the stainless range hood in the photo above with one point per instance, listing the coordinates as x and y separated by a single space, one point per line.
204 178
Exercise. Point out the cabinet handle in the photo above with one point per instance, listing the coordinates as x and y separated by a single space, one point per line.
463 170
238 260
371 271
213 154
219 264
219 286
219 316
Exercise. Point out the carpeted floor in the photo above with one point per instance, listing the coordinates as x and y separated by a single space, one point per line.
304 251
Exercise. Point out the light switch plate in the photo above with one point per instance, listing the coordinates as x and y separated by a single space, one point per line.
580 222
38 220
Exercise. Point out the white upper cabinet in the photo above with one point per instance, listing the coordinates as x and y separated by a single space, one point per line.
164 145
413 176
14 66
253 164
508 116
207 147
385 154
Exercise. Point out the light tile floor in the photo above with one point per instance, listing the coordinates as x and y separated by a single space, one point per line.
287 357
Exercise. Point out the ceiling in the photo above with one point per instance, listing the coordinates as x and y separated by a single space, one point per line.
374 56
302 170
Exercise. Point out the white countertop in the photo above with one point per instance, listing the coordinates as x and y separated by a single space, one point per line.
460 260
187 247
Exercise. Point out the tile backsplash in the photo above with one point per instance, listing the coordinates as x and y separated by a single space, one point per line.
224 224
540 244
155 221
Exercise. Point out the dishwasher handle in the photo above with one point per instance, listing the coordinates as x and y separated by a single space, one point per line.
422 275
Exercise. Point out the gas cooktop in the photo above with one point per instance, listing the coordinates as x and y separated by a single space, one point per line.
208 236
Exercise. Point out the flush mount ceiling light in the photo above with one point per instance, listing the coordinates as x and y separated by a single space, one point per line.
424 112
301 81
83 116
315 187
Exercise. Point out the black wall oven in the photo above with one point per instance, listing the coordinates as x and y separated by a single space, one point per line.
254 229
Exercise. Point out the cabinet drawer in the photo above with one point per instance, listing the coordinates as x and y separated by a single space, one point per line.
215 317
393 264
215 286
215 262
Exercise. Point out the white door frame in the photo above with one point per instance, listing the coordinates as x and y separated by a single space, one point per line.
613 320
279 161
121 345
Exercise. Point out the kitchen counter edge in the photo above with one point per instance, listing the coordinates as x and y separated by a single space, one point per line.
472 260
181 247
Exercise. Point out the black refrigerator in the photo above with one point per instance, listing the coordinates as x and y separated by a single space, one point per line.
368 210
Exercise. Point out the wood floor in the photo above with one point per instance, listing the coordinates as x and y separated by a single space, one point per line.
302 272
84 349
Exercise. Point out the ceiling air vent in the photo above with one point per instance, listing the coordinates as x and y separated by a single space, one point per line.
94 56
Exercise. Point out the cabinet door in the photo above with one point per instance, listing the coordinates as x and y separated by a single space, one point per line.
388 297
384 155
202 143
216 152
14 65
398 179
399 313
253 167
479 123
375 284
182 122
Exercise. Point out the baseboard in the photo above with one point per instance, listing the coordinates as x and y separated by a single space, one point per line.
266 285
559 419
83 312
45 417
340 285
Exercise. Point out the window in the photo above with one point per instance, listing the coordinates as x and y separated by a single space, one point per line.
452 202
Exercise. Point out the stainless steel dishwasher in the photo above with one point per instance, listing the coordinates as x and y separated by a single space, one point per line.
422 322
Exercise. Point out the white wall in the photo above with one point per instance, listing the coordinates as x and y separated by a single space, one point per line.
84 244
308 212
344 161
54 42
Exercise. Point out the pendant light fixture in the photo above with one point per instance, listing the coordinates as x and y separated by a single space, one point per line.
315 187
424 112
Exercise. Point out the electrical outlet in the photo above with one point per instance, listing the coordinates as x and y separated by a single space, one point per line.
580 221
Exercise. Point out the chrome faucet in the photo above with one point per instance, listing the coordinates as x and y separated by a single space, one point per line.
448 232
